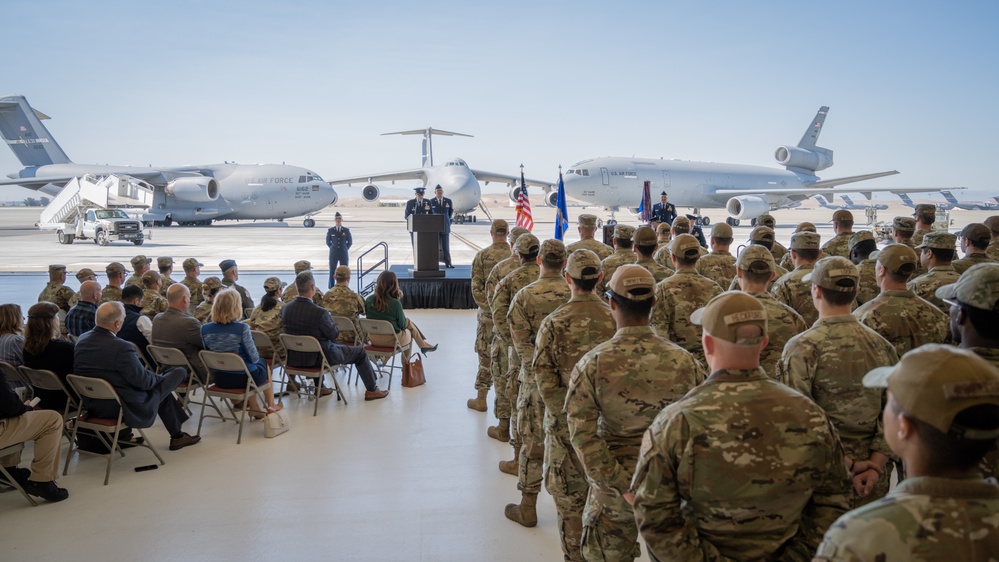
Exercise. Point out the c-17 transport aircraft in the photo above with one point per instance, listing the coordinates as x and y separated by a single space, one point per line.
746 192
460 183
848 204
189 195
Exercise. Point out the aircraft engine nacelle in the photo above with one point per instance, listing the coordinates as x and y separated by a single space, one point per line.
746 207
551 198
370 192
194 189
794 157
514 193
335 198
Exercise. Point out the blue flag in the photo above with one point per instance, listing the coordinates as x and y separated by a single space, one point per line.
561 213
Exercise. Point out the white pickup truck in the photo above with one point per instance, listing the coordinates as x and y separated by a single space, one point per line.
101 225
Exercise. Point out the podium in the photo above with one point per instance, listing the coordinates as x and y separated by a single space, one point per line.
426 231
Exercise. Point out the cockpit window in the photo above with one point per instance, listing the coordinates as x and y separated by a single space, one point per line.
585 172
301 179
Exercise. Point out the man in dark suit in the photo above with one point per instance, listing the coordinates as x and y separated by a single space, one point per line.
178 329
302 317
663 211
100 354
441 205
338 240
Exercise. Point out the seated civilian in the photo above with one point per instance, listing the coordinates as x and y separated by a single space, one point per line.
11 340
177 329
80 318
100 354
138 327
384 304
226 334
43 349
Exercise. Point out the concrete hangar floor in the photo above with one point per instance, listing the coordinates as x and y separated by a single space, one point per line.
412 477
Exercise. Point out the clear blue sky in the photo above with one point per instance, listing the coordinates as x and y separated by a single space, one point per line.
911 85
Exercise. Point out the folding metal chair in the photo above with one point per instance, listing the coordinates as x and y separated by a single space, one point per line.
345 325
169 357
142 356
215 361
14 378
309 344
100 389
10 479
47 380
384 354
266 347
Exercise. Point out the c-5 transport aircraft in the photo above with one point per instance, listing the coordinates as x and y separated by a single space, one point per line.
460 183
848 204
983 201
194 195
746 192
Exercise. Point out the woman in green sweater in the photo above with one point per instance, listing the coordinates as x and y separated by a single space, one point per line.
384 304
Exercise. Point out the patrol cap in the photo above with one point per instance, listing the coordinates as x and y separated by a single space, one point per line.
834 273
681 225
978 287
140 260
273 284
226 265
904 223
925 210
805 240
860 236
805 227
663 228
190 264
767 220
56 268
85 274
150 277
727 312
342 273
934 383
583 264
977 233
762 234
587 220
302 265
164 262
624 231
527 244
552 249
645 236
940 240
722 230
756 259
685 245
499 227
842 215
993 223
633 282
114 268
898 258
210 283
338 215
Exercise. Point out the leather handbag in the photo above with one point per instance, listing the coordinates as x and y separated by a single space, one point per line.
412 372
276 423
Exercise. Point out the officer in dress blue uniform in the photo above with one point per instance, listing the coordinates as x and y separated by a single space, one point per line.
441 205
417 206
663 211
338 240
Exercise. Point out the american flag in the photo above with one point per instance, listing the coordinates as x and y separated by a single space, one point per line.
524 218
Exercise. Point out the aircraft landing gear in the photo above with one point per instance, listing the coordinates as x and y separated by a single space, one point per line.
309 223
698 219
733 222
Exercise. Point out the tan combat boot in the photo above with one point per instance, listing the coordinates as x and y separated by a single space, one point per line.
500 432
511 467
525 512
479 403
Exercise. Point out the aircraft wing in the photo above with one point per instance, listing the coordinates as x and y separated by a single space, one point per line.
147 174
509 180
414 174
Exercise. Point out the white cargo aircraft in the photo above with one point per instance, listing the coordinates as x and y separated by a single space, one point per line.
460 183
746 192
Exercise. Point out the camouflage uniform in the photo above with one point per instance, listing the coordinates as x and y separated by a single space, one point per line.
917 237
620 257
827 363
789 289
779 252
506 383
783 323
133 279
786 262
166 282
270 323
528 309
203 312
718 267
614 393
152 303
482 265
662 256
57 294
341 301
905 320
962 265
990 463
838 245
565 335
676 298
993 250
291 293
603 251
194 286
868 286
112 294
499 348
741 468
658 272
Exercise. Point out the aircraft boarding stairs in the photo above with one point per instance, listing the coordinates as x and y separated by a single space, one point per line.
97 191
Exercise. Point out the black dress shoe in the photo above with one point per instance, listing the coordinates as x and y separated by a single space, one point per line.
46 490
19 474
449 266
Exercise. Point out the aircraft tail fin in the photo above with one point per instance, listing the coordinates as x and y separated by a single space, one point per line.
21 126
811 136
906 199
949 197
847 200
428 140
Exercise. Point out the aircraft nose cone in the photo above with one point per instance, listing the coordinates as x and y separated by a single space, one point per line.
463 192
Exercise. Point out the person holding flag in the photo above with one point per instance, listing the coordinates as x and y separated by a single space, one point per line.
561 212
